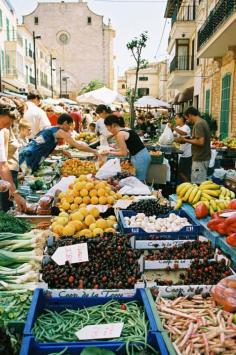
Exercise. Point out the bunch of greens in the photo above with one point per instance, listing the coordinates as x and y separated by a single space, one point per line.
9 223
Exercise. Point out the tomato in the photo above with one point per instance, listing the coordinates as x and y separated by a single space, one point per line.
231 240
201 210
221 229
232 204
212 224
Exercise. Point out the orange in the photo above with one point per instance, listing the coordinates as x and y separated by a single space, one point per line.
69 230
97 232
101 192
86 200
89 186
94 200
94 212
83 192
65 205
74 207
101 223
93 193
102 200
86 233
89 220
77 224
83 178
84 211
78 200
77 216
110 200
58 229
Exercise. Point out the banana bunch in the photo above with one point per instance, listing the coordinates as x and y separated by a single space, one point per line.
214 196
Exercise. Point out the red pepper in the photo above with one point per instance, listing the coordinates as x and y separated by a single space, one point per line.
231 228
212 224
123 307
231 240
221 228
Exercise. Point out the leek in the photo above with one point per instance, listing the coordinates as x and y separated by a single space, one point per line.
10 258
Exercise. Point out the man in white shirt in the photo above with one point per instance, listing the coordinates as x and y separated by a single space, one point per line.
7 116
185 160
34 114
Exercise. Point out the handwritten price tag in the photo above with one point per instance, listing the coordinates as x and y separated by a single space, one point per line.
100 331
77 253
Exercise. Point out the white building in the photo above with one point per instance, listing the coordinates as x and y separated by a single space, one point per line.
152 81
82 43
43 63
11 48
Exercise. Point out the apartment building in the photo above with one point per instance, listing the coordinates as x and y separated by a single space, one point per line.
43 64
152 81
202 59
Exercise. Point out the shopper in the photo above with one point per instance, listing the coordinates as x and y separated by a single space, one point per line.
34 114
51 114
201 147
129 143
8 115
45 142
185 160
92 127
103 111
87 118
77 117
24 133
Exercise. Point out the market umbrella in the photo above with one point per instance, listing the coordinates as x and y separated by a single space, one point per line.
68 101
151 102
101 96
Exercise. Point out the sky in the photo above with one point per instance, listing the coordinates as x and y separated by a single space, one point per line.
129 18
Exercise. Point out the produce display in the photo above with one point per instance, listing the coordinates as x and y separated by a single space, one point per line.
206 272
127 166
224 294
14 305
11 224
188 250
151 207
78 167
112 264
153 224
83 223
86 137
155 153
215 197
197 326
20 258
85 191
221 225
230 143
131 314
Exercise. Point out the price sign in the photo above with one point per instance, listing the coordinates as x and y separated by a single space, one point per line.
77 253
100 331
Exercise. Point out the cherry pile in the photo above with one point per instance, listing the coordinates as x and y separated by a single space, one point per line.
187 250
112 264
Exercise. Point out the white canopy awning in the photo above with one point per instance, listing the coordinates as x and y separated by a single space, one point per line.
151 102
101 96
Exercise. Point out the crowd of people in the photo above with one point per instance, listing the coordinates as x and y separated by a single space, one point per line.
29 133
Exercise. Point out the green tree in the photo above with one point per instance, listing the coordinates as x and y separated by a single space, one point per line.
93 85
136 47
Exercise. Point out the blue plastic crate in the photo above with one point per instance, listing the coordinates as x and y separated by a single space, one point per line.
188 232
31 347
40 302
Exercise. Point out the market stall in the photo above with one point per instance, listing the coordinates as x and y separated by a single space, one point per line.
117 267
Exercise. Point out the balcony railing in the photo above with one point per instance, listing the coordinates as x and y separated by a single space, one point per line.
221 12
185 13
182 63
32 80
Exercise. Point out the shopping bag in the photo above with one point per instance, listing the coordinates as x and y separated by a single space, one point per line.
167 136
110 168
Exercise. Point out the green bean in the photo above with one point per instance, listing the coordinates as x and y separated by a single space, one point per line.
59 327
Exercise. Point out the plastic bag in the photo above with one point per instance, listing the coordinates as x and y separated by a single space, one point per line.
133 186
110 168
224 293
167 136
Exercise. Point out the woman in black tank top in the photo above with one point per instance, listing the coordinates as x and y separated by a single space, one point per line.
129 143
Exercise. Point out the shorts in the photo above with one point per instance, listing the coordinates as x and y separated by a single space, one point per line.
199 171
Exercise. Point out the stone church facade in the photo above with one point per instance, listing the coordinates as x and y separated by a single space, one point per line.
80 41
